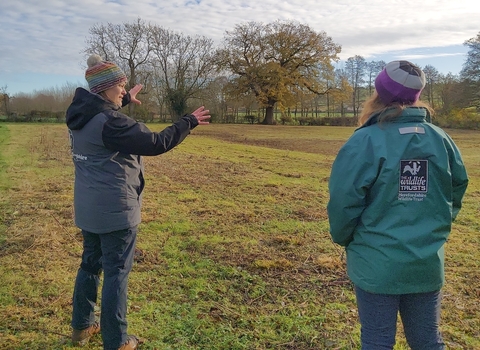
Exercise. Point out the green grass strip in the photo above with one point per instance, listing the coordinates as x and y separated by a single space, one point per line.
4 181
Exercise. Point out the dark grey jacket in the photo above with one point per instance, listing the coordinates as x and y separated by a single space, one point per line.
106 148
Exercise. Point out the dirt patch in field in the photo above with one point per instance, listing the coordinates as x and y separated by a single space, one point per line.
302 144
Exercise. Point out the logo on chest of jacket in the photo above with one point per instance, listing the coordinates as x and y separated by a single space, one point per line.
413 179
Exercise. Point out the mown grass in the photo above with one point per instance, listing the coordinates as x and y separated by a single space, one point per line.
233 251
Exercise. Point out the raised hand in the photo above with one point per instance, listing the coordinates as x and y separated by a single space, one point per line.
202 115
133 94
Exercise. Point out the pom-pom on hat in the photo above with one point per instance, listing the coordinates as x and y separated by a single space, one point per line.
102 75
400 81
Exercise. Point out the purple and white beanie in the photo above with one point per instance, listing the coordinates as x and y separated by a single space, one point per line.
102 75
400 81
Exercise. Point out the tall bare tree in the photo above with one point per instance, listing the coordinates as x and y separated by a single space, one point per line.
343 90
356 68
451 91
275 60
431 78
215 94
471 70
126 44
184 65
373 68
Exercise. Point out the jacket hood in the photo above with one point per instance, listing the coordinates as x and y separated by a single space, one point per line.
84 107
409 114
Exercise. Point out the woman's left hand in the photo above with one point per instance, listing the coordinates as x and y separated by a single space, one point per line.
133 94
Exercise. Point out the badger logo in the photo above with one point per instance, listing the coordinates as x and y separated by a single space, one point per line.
413 167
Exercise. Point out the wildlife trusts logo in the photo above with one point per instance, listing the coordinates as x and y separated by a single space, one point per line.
412 167
413 183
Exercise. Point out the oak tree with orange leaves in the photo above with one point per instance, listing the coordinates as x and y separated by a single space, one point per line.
276 60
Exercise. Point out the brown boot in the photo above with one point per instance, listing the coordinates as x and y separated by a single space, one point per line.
80 337
131 343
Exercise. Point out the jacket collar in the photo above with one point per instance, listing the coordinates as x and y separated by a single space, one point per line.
409 114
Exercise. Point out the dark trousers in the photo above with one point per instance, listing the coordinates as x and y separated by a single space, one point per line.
113 253
420 313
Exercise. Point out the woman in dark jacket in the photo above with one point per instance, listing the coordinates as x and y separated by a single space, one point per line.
106 148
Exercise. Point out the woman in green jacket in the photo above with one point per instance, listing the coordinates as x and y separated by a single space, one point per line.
395 188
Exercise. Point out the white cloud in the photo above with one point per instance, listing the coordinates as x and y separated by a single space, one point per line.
427 56
48 36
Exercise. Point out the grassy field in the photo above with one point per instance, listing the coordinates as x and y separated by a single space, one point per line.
233 251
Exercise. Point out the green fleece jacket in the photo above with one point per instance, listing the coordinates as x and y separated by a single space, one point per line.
395 188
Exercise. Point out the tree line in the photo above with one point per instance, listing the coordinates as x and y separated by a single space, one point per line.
280 72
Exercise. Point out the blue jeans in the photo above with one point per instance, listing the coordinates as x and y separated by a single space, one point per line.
420 314
113 253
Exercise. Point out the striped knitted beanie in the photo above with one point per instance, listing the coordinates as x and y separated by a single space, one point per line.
102 75
400 81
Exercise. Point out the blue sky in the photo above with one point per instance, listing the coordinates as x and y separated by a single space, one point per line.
41 42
